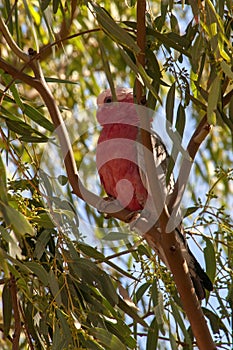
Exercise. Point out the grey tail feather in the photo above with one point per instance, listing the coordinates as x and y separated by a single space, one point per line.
200 279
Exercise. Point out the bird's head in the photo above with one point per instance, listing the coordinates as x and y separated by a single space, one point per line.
123 111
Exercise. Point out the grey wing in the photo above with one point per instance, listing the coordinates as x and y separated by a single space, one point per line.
161 159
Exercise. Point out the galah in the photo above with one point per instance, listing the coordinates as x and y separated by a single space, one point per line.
120 164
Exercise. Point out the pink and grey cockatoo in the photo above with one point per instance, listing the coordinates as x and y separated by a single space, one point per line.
120 159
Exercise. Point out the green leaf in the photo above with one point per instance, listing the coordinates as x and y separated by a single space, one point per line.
55 5
39 271
54 287
107 70
59 80
37 117
41 243
130 3
19 222
196 50
153 69
173 343
180 120
44 220
213 99
8 81
121 330
170 40
215 321
159 311
3 183
174 24
116 236
152 337
131 312
141 74
91 252
93 275
18 126
142 290
114 30
44 4
210 259
170 101
6 308
227 69
107 339
190 211
64 324
180 322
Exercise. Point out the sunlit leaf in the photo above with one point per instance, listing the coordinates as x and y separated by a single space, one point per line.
113 29
213 99
107 339
3 183
19 222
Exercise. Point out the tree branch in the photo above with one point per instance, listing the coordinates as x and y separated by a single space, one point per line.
15 48
166 242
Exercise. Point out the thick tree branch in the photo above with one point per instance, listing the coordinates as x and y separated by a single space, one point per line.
166 242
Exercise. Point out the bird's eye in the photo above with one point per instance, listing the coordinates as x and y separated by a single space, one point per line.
108 99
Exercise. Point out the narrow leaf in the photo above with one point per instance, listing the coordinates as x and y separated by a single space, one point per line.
131 312
152 337
170 104
7 308
90 251
210 259
54 287
180 120
19 222
3 184
213 99
39 271
114 30
180 322
37 117
107 339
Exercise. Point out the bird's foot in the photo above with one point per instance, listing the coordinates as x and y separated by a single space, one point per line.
104 204
144 215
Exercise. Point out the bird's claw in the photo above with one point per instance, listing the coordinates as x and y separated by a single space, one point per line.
138 215
104 203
